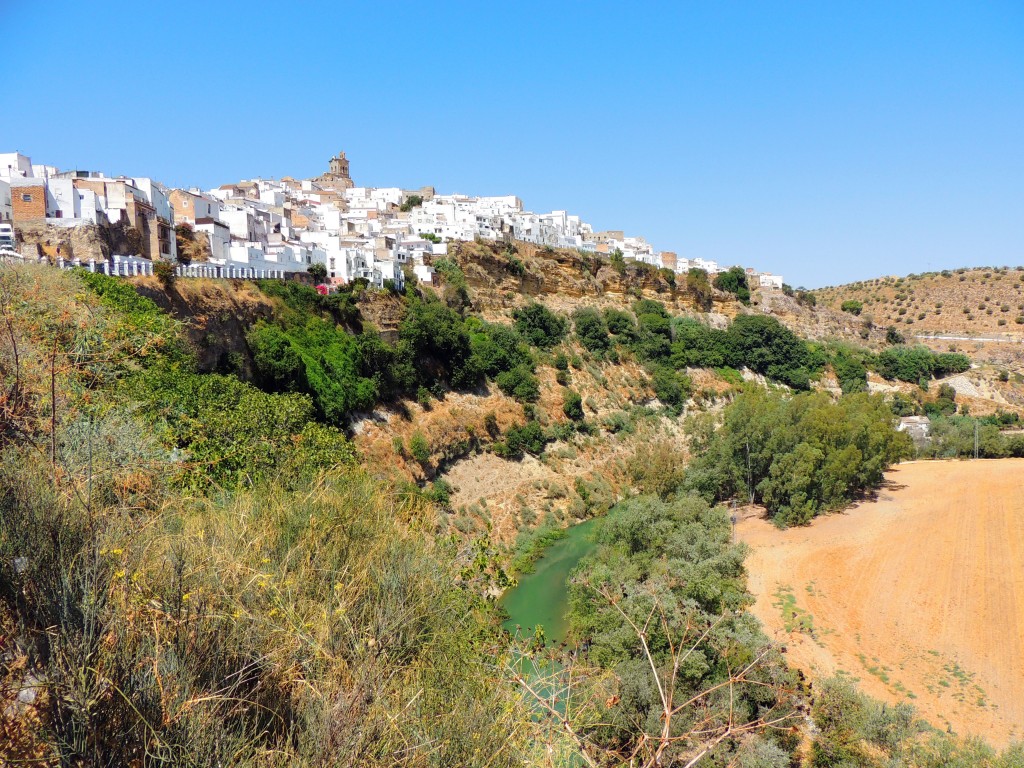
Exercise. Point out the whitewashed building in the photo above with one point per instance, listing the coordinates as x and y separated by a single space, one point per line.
15 164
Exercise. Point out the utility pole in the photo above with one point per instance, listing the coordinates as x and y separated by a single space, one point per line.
750 479
975 438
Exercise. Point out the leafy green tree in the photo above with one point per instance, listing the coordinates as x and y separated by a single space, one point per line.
618 262
278 366
539 325
699 286
672 388
410 202
892 336
620 323
913 364
497 348
950 362
852 306
456 289
529 437
439 343
766 346
317 358
390 366
799 456
850 370
318 272
734 281
944 404
591 330
699 346
664 577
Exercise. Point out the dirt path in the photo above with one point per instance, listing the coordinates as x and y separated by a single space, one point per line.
919 594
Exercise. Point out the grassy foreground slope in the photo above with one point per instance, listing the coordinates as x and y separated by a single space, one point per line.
198 569
194 572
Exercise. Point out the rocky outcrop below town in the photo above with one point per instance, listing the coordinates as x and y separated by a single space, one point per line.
502 276
52 240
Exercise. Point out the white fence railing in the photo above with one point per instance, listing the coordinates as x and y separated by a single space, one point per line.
136 266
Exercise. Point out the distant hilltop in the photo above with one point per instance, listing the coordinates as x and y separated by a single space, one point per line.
986 301
288 224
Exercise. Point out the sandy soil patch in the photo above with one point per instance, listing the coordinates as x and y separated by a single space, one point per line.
918 594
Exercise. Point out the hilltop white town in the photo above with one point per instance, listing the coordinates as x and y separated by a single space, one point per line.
278 227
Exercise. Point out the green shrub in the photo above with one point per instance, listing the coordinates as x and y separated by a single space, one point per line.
519 383
419 448
572 405
317 358
734 281
699 287
540 326
619 322
617 261
529 437
673 561
671 388
850 369
591 330
439 343
893 336
497 348
165 273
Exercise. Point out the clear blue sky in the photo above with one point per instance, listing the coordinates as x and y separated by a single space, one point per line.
828 141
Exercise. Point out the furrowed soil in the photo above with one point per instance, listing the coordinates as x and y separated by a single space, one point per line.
918 595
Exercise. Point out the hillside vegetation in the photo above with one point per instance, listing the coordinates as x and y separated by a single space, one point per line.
247 551
971 302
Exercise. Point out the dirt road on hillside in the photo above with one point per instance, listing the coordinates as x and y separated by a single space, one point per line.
919 594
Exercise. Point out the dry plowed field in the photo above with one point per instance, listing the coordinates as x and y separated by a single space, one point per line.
919 595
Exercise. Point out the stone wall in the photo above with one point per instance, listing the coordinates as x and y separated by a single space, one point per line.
84 242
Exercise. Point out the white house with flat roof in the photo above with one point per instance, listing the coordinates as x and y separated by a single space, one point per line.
219 236
15 164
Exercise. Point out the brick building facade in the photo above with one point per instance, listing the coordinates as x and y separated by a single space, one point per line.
28 199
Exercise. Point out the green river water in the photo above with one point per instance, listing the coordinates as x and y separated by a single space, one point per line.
542 597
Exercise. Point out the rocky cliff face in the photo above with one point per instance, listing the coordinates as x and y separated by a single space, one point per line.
500 280
383 311
818 323
83 242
